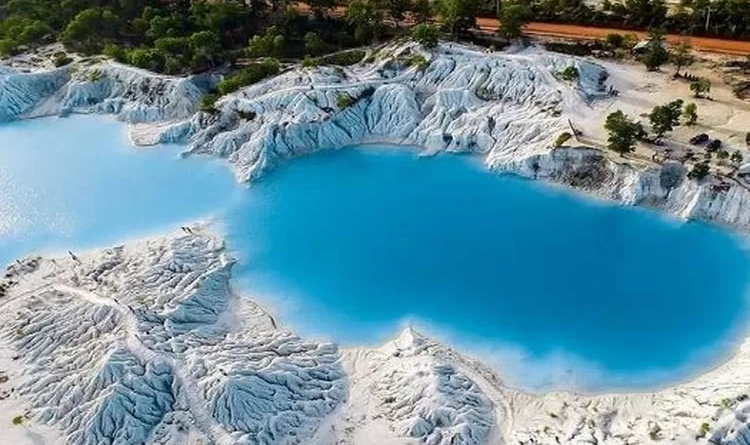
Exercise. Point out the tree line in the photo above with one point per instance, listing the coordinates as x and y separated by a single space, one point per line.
172 36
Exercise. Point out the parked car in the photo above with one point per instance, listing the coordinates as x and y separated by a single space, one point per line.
699 139
713 145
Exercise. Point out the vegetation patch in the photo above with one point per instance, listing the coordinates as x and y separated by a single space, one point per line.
208 103
344 101
249 75
569 74
416 60
344 58
61 59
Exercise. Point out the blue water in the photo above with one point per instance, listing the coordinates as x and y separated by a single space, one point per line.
555 289
78 183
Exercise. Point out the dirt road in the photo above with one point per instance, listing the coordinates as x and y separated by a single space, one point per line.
735 47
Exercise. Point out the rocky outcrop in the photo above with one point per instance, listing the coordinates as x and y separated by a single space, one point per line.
131 94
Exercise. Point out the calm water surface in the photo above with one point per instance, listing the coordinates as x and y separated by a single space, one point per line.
78 183
352 245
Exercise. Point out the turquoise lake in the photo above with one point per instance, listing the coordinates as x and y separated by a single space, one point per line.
555 289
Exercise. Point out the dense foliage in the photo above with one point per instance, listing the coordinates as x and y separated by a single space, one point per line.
172 36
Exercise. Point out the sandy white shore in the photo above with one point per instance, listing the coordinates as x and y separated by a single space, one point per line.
145 343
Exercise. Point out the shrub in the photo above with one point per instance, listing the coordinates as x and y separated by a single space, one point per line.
314 44
116 52
569 73
208 103
173 65
8 47
427 35
61 59
615 40
699 171
700 86
690 113
344 101
309 62
249 75
18 420
148 58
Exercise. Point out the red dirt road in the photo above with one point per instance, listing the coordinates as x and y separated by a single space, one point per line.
734 47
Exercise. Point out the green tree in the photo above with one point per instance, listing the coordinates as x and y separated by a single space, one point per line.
7 47
513 15
655 54
690 113
89 30
116 52
682 56
457 15
365 19
622 132
664 118
314 44
148 58
271 43
427 35
421 11
699 171
700 87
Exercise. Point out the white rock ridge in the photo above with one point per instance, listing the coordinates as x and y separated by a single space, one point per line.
507 108
131 94
147 344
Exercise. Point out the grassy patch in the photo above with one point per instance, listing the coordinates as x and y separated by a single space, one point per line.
344 101
249 75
